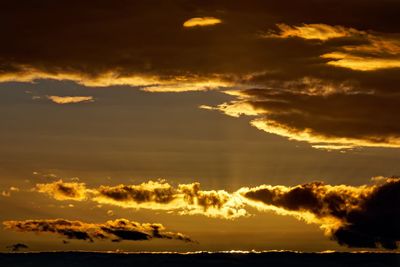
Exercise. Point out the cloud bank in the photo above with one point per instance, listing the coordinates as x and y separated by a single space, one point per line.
356 216
116 231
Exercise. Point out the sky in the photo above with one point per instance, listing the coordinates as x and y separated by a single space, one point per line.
199 125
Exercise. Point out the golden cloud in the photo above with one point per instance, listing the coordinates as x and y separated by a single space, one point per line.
201 21
377 51
153 195
321 32
70 99
149 83
61 190
307 110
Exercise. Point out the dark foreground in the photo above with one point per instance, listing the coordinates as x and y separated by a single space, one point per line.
281 259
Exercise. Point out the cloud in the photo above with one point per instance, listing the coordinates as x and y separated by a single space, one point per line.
117 230
183 199
153 195
202 21
366 216
148 48
373 52
326 115
355 216
70 99
321 32
317 58
17 247
61 190
7 193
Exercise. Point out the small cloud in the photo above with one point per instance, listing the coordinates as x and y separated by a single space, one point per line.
110 213
70 99
7 193
17 247
201 21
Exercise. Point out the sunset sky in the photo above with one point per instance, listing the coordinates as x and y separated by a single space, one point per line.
191 125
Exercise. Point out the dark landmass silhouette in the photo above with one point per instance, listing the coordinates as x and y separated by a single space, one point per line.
281 259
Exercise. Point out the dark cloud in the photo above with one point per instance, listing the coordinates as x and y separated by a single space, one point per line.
17 247
117 230
83 41
350 50
314 114
365 216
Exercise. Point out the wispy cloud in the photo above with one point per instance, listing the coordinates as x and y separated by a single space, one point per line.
321 32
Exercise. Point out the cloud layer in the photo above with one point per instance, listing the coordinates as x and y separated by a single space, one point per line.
117 230
326 72
355 216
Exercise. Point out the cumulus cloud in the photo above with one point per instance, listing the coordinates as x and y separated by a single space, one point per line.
70 99
117 230
201 21
365 216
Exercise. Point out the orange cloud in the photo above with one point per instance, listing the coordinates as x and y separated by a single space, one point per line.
306 110
70 99
183 199
61 190
201 21
322 32
378 51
